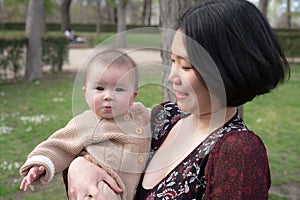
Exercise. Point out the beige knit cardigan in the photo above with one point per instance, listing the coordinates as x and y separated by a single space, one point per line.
120 145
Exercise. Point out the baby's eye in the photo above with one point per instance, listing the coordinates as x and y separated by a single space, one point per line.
99 88
119 89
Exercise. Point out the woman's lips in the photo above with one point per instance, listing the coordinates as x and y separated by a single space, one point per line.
180 95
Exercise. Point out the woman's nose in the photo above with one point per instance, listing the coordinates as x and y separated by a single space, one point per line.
174 76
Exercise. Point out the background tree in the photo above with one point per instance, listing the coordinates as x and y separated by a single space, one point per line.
98 19
121 22
169 12
65 15
147 12
263 5
1 24
35 27
288 14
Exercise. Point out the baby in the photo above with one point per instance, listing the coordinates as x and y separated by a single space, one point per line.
114 133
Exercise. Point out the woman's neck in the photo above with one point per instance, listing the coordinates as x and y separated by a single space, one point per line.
208 122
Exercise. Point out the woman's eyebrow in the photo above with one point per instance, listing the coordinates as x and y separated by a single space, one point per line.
178 56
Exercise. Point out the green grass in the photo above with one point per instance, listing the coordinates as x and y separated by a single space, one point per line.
274 117
133 38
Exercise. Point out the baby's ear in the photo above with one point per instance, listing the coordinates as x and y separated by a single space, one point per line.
133 97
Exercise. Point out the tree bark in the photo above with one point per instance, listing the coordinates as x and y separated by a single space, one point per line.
98 20
263 6
121 23
170 10
35 27
65 15
288 14
147 12
1 24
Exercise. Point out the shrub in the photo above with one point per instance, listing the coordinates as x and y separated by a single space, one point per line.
13 49
289 39
55 51
11 57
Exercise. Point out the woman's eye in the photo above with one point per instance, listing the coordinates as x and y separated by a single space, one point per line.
186 68
99 88
172 61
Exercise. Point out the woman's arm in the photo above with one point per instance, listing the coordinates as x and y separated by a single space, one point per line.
83 179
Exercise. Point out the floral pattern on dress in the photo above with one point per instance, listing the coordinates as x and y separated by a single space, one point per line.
187 180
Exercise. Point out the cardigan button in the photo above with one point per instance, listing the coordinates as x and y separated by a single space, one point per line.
126 117
138 130
141 159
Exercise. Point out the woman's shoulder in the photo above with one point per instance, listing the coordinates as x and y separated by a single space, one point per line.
236 137
240 142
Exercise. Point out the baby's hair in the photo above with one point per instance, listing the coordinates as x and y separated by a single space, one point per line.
113 57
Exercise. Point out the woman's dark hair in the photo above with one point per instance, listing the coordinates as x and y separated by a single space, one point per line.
241 43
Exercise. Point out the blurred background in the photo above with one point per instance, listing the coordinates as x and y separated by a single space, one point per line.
44 42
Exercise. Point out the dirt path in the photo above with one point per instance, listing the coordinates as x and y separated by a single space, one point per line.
78 56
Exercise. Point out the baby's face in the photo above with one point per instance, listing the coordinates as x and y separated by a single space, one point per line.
110 91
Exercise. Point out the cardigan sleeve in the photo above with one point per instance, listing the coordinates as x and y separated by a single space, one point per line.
238 168
57 152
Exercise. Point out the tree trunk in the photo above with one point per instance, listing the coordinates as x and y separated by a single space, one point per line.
98 20
65 15
288 14
1 23
263 5
35 27
147 12
170 10
121 24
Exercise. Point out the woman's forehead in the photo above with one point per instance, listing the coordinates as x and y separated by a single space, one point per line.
178 46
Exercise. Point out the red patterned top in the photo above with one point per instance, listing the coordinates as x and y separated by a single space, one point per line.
231 163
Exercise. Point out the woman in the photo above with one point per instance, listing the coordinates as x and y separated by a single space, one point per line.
224 54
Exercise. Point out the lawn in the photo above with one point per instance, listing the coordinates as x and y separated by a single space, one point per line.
31 112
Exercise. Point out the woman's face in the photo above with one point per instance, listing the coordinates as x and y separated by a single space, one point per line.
192 96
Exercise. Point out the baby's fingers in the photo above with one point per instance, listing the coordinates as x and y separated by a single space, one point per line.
24 184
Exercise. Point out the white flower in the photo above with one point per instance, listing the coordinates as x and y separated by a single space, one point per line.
5 129
58 99
17 165
28 129
37 119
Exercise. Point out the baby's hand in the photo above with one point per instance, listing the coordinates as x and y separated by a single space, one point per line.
33 174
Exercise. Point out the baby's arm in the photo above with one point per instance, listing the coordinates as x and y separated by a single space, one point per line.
33 174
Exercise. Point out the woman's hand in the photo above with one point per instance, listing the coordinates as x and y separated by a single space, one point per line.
83 179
